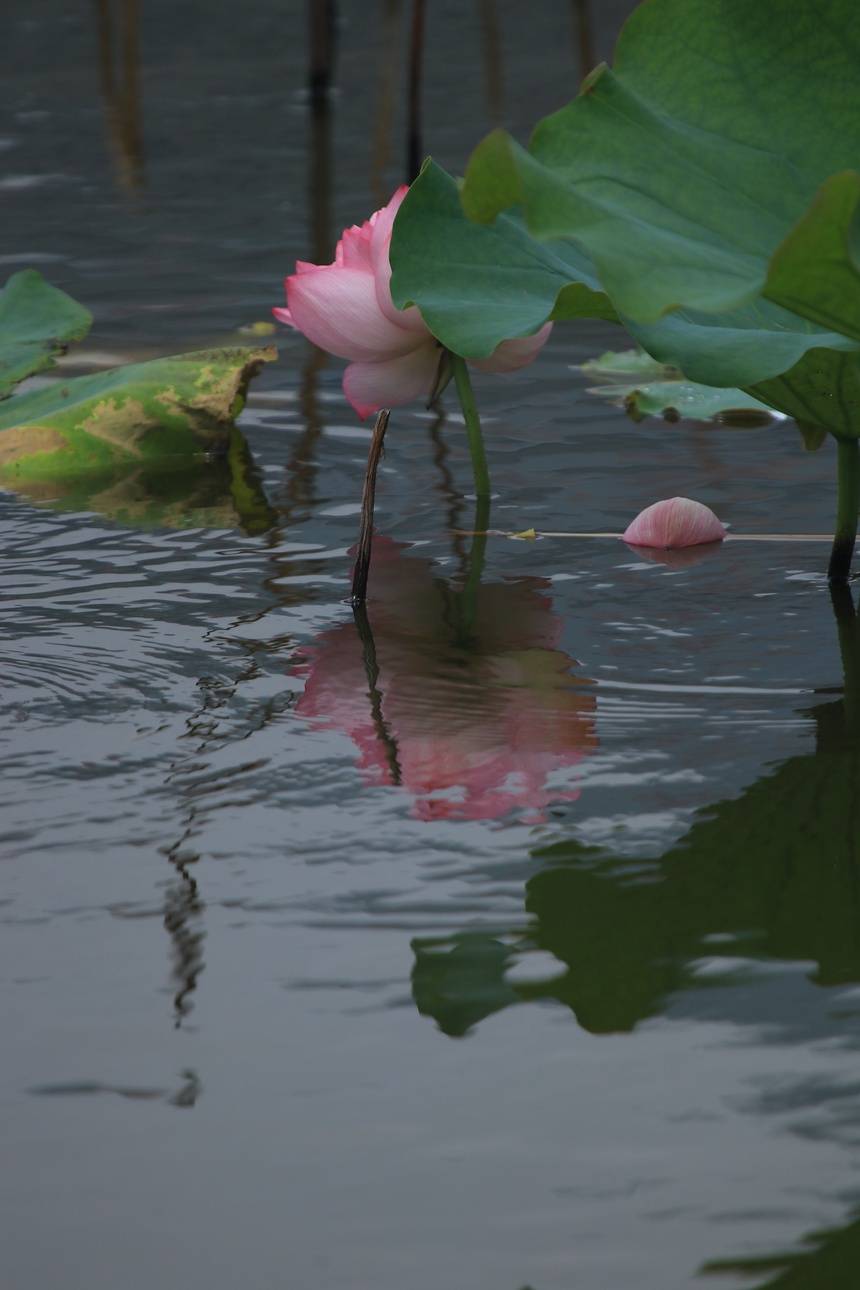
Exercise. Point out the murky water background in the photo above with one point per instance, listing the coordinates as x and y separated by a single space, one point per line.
521 952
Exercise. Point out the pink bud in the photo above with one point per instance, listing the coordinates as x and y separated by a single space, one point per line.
678 521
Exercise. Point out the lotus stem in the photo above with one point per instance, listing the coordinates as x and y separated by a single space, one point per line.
368 498
473 425
847 505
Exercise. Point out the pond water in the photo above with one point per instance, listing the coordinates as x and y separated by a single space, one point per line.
515 943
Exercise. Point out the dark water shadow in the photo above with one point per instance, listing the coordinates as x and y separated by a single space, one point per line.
829 1260
773 874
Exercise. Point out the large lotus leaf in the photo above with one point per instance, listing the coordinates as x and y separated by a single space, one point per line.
36 322
142 412
710 173
683 170
477 286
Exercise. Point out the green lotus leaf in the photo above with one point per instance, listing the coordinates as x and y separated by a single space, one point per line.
140 413
644 387
682 171
36 323
478 286
707 185
620 365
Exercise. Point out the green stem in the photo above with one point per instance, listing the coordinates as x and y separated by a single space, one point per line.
847 505
473 425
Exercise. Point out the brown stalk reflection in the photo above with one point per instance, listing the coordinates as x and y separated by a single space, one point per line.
387 75
455 691
183 903
491 50
583 38
414 133
387 71
322 44
120 89
300 473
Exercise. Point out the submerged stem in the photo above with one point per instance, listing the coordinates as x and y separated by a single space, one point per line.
847 504
473 425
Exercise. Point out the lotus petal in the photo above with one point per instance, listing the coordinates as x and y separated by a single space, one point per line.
675 522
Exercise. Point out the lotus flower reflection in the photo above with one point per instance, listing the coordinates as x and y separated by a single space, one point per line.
346 308
473 709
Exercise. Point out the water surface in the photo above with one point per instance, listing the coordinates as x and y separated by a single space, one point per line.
511 943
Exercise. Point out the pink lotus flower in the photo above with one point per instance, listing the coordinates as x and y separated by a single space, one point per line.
346 308
471 729
674 523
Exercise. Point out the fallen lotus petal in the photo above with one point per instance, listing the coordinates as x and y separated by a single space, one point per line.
675 522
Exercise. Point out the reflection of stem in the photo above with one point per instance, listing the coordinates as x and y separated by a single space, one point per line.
582 23
849 648
186 1096
182 911
848 501
371 668
319 181
473 425
414 144
492 51
387 67
477 556
301 471
122 105
321 25
453 498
